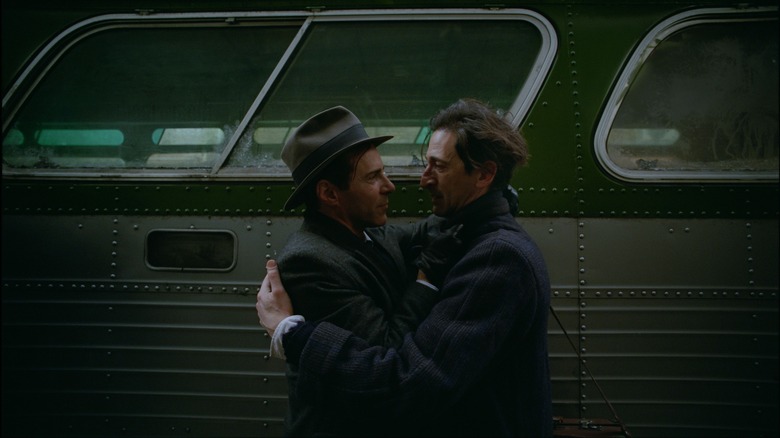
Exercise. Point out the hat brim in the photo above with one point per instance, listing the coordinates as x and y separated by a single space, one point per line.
297 196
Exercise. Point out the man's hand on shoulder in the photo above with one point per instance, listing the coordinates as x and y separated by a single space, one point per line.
273 304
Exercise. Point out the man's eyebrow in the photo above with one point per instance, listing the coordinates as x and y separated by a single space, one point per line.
438 160
375 172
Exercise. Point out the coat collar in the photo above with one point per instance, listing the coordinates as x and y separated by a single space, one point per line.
332 229
487 206
370 252
479 216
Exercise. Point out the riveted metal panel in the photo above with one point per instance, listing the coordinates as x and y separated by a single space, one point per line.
679 254
111 248
557 239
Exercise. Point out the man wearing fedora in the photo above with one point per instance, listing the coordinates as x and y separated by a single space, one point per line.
343 265
478 364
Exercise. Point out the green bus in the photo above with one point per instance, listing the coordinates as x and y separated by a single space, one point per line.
143 191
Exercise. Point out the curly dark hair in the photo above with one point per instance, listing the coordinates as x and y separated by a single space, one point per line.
483 135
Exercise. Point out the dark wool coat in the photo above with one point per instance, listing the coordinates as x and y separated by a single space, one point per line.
476 366
332 275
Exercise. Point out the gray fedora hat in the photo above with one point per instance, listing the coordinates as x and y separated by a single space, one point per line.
317 142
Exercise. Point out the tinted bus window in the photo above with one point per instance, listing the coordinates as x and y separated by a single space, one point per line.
220 97
702 105
394 75
173 94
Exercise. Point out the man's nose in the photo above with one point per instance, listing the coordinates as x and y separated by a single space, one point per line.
389 187
425 178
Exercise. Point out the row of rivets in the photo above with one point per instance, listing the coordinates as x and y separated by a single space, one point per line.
228 211
293 212
420 189
115 232
245 289
131 287
666 294
268 222
579 173
669 213
261 210
542 190
749 250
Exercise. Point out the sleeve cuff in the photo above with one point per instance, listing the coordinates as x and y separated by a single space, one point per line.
425 283
295 340
287 324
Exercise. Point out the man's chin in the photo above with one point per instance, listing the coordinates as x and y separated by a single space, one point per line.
440 211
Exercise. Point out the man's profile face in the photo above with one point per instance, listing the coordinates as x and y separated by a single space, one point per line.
366 201
445 176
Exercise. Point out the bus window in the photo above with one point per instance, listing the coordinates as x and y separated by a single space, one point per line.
219 96
703 104
172 95
79 147
394 75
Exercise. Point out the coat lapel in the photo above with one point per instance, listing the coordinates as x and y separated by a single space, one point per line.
387 276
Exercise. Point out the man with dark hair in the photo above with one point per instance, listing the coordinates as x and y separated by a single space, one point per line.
478 364
344 266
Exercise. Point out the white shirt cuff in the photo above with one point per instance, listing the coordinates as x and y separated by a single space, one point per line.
425 283
277 349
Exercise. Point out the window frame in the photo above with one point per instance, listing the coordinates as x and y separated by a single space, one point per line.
54 49
639 56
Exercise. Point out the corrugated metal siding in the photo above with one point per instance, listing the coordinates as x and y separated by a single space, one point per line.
684 366
112 364
151 353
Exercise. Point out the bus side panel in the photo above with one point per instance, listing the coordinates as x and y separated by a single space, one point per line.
678 322
80 361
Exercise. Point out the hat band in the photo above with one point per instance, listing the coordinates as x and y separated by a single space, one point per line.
346 138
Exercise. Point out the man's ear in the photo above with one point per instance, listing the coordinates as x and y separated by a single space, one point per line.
327 193
487 173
